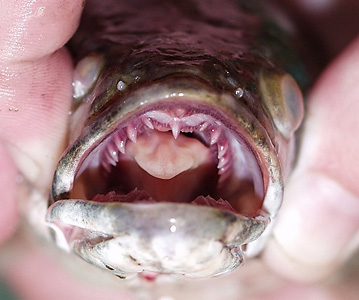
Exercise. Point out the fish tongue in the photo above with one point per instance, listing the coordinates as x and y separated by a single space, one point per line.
164 157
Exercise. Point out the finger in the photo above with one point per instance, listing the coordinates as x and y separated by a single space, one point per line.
31 30
318 225
35 89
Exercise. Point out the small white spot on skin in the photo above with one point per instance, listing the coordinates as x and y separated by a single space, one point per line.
173 228
121 85
239 92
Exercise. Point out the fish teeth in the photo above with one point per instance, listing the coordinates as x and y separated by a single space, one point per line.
224 167
131 133
222 162
112 151
161 126
222 150
175 126
215 134
110 158
148 122
120 143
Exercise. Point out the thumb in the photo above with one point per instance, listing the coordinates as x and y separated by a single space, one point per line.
318 225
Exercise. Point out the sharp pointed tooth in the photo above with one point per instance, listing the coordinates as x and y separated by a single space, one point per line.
222 150
113 151
122 147
224 170
132 133
222 162
175 126
120 143
114 155
215 133
109 158
147 121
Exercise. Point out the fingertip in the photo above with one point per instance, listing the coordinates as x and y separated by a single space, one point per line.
32 29
316 229
318 224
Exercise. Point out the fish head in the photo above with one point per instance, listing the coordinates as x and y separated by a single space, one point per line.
176 163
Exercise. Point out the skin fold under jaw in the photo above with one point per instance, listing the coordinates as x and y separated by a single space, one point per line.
181 137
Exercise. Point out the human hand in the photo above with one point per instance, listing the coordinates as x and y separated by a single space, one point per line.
317 229
36 95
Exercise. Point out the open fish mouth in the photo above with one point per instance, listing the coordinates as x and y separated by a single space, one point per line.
176 178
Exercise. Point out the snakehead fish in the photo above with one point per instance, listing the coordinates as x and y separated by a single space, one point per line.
181 136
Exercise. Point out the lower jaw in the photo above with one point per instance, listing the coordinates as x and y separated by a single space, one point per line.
162 238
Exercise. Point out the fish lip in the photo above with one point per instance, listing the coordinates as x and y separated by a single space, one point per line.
137 225
73 212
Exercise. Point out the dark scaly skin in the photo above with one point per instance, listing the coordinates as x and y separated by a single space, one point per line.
220 41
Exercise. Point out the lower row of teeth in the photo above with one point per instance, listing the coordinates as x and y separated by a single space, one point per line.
204 125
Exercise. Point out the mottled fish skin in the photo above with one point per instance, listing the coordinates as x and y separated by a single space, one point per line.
227 57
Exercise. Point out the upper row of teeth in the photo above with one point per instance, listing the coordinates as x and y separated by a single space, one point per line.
163 121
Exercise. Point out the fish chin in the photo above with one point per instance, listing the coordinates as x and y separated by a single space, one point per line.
172 180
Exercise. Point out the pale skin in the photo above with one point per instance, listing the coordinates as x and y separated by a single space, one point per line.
317 229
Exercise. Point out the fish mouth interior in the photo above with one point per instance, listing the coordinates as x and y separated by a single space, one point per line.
177 153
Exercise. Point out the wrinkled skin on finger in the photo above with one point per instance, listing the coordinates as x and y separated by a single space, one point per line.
317 226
